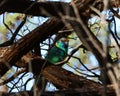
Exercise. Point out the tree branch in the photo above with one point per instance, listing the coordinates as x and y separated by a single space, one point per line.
20 48
36 8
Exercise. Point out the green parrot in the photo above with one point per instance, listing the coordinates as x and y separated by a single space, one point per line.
58 52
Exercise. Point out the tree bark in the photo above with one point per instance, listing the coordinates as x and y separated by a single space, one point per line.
52 26
20 48
52 8
66 79
69 83
35 8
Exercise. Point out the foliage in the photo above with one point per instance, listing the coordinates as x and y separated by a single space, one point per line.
26 38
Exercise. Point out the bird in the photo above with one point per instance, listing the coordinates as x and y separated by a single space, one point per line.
58 52
55 54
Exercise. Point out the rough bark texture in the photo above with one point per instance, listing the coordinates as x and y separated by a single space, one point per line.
52 26
24 45
67 79
71 84
51 9
70 81
35 8
45 30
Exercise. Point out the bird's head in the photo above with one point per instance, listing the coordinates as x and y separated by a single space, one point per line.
62 44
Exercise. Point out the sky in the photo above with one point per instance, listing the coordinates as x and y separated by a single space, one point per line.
93 60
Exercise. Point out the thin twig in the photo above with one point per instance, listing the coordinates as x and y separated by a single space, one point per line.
109 23
6 24
9 42
13 77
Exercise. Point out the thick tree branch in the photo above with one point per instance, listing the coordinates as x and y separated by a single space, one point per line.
52 8
17 50
36 8
49 28
68 80
73 92
70 83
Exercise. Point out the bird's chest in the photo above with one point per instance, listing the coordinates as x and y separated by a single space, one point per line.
56 55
